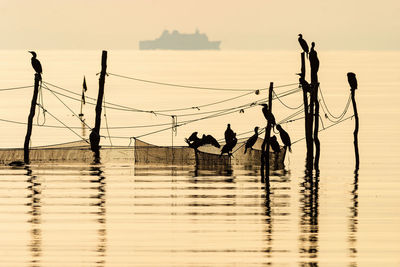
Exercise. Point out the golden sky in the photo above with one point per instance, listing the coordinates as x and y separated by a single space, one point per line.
239 24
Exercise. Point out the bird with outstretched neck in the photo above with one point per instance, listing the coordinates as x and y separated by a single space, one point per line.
36 64
251 141
268 115
284 137
303 44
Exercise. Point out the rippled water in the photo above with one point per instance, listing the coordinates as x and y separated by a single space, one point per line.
125 215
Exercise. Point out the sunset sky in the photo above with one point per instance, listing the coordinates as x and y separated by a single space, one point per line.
252 24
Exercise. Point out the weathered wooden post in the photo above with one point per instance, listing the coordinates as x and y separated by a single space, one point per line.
351 77
265 144
30 118
314 64
95 134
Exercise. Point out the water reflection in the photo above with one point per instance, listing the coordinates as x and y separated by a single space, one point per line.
35 245
100 180
309 220
353 221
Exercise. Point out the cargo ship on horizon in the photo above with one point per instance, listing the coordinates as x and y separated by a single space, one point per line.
180 41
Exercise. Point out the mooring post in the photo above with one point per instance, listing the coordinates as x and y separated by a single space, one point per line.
351 77
30 118
314 66
265 144
95 134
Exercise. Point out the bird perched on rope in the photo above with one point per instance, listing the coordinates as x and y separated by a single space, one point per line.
227 148
36 64
303 44
284 137
252 140
268 115
274 144
229 134
314 61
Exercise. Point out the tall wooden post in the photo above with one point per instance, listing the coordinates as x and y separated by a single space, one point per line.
95 135
314 64
30 118
351 77
265 145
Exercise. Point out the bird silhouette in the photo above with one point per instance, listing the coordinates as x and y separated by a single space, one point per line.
252 140
303 44
314 61
229 134
268 115
351 78
36 64
274 144
227 148
209 139
284 137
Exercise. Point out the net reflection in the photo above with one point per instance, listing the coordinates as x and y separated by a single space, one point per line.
35 245
100 180
309 220
353 221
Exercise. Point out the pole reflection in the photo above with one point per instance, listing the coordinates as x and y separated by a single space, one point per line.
35 245
353 221
100 180
309 220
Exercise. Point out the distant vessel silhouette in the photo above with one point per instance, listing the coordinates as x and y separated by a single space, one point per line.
180 41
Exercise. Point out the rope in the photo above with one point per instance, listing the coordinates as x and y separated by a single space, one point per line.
66 126
41 102
77 116
105 117
287 106
16 88
190 86
327 109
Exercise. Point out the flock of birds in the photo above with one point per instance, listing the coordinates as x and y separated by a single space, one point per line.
230 136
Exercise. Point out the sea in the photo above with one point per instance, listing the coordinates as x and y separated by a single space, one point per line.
122 214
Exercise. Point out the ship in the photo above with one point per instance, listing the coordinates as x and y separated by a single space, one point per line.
180 41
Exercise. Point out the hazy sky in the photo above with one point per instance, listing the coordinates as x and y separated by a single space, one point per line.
239 24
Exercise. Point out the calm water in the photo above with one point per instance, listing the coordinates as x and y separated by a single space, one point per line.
124 215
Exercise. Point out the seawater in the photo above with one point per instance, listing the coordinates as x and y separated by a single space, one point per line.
115 214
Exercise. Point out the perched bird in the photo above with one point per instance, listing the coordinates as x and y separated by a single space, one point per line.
193 141
252 140
209 139
284 137
351 78
268 115
314 61
229 134
227 148
274 144
36 64
303 44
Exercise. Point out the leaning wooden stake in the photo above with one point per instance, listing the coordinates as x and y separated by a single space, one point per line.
95 135
30 118
314 66
351 77
265 144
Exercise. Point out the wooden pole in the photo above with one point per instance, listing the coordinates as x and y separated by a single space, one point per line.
353 85
95 135
265 144
30 118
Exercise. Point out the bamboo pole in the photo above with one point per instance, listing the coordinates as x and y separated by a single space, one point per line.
30 118
95 135
265 144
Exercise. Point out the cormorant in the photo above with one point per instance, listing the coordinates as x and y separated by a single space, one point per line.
229 134
209 139
303 44
314 61
252 140
284 137
36 64
274 144
227 148
351 78
268 115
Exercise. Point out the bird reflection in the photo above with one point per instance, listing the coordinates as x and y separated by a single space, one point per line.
353 219
309 219
35 245
100 180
